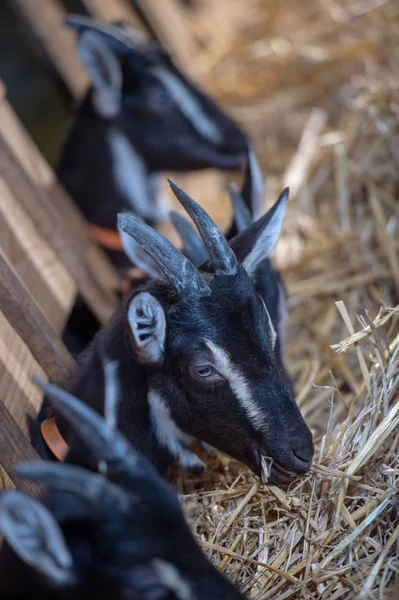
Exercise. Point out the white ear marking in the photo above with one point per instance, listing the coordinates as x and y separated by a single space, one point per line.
148 325
169 435
104 71
282 314
35 536
273 332
267 238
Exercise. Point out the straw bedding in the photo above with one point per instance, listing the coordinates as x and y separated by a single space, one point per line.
316 86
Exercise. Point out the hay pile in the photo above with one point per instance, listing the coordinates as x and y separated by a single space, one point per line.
316 86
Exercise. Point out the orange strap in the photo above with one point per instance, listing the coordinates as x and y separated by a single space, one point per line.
127 283
53 438
107 238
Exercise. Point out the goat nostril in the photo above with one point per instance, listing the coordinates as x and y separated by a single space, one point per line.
301 456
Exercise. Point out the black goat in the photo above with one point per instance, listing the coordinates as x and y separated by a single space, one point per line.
119 534
141 116
198 355
247 206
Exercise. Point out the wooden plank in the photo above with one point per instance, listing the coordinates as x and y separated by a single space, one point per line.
57 232
28 253
14 450
45 20
95 277
31 325
17 367
167 21
117 10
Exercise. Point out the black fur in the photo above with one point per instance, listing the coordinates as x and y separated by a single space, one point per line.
114 549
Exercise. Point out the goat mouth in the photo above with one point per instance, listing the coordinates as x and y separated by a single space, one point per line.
271 472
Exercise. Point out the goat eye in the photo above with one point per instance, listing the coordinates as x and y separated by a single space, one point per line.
205 372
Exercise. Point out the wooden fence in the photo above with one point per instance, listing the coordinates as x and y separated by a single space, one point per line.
46 255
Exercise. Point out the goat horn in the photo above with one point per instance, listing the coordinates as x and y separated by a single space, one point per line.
222 257
253 189
90 487
193 246
241 212
177 268
106 444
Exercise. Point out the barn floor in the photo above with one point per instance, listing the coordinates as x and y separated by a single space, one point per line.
315 84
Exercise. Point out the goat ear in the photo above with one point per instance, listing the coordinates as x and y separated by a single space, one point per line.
104 71
148 325
35 536
139 257
255 244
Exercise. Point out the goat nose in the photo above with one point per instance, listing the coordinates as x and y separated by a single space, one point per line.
302 455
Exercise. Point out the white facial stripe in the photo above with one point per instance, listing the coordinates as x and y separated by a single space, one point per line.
168 433
238 384
189 105
130 175
271 326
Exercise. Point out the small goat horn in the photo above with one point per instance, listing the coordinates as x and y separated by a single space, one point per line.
241 212
106 444
222 257
193 246
90 487
177 268
253 189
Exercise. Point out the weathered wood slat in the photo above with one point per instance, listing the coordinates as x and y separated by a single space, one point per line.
117 10
45 20
52 227
14 450
94 275
34 261
31 325
17 367
167 21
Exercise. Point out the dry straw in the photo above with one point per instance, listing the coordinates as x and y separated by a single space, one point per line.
316 85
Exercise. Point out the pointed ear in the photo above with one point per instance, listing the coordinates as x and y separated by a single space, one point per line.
256 243
104 71
35 536
139 257
148 325
253 189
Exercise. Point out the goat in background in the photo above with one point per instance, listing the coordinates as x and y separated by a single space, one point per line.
140 116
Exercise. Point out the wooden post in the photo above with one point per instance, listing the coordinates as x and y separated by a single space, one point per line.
166 20
45 19
116 10
27 320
